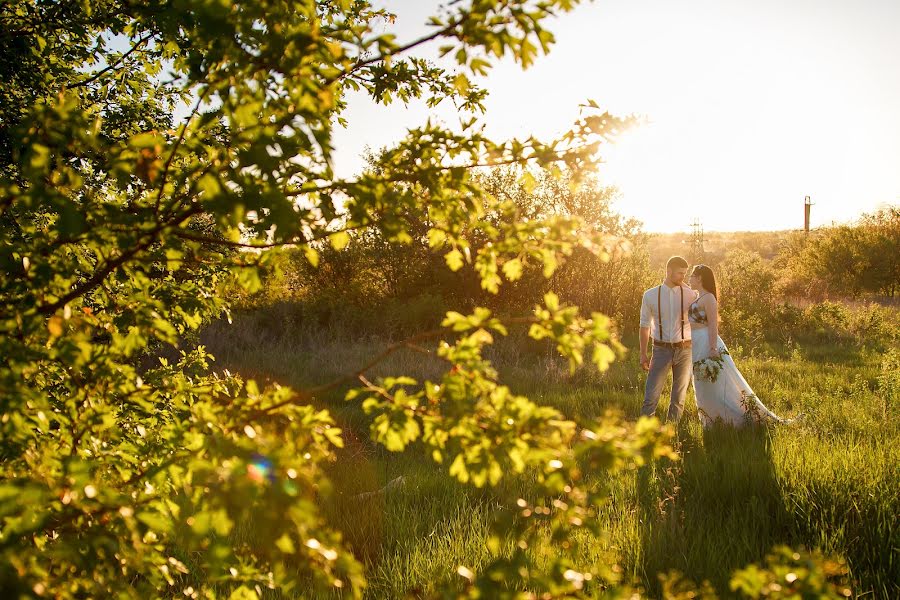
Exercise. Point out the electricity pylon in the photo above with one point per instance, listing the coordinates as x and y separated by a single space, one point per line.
698 254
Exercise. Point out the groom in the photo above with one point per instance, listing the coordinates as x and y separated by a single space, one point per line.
664 311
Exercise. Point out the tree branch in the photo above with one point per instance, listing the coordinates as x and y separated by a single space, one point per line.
109 68
208 239
101 274
198 237
399 50
176 145
411 175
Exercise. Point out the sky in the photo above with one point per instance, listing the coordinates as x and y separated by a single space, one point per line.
750 106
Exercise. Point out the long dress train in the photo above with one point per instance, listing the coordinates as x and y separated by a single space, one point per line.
729 398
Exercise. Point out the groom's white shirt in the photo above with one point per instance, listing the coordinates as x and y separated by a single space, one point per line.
672 317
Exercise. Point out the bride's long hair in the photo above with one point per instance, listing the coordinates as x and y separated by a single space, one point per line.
707 278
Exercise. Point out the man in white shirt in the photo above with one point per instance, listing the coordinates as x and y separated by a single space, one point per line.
664 317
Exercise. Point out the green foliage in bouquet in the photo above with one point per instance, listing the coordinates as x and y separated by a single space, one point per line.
708 369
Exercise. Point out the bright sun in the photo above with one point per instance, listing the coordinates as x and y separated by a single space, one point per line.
750 107
652 185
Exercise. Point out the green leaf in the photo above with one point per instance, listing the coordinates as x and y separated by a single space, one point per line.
173 259
339 240
201 523
9 491
395 429
454 259
145 140
528 182
602 356
512 269
333 435
461 84
458 321
249 278
551 301
459 469
285 544
436 238
550 262
39 157
155 521
247 114
311 255
209 186
538 332
479 66
243 593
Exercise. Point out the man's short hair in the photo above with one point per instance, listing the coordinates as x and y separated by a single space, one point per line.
676 262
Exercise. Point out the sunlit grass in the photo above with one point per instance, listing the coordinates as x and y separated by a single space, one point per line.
830 481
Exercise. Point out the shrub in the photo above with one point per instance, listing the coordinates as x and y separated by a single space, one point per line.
828 319
854 260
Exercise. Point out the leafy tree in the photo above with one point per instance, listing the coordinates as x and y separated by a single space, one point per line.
845 260
881 233
609 280
747 299
122 224
372 274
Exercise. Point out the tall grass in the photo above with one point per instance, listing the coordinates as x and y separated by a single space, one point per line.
830 481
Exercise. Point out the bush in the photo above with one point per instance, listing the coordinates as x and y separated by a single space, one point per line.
742 328
854 260
746 283
870 324
828 319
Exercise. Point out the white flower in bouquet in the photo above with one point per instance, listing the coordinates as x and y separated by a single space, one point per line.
708 369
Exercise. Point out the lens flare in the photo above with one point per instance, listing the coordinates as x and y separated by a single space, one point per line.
260 469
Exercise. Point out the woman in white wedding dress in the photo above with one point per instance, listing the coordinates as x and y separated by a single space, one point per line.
722 392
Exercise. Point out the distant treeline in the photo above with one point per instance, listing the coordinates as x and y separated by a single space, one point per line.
384 286
856 260
716 245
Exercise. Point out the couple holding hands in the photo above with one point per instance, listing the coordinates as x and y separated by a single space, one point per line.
682 322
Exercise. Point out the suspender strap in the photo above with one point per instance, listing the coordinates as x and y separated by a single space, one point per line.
659 312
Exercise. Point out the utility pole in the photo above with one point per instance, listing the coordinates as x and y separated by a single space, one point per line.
807 204
698 254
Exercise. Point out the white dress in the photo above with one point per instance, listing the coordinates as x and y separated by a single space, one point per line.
722 392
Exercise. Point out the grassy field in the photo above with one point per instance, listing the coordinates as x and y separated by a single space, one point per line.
830 481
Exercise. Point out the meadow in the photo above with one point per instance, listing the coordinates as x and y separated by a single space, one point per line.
830 481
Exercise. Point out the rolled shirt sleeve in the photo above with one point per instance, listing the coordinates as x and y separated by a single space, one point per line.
646 312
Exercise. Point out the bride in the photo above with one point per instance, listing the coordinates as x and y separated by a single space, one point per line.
722 392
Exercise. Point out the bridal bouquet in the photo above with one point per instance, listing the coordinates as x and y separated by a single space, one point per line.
708 368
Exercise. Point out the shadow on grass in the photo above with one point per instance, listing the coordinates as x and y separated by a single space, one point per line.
818 349
714 511
407 521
